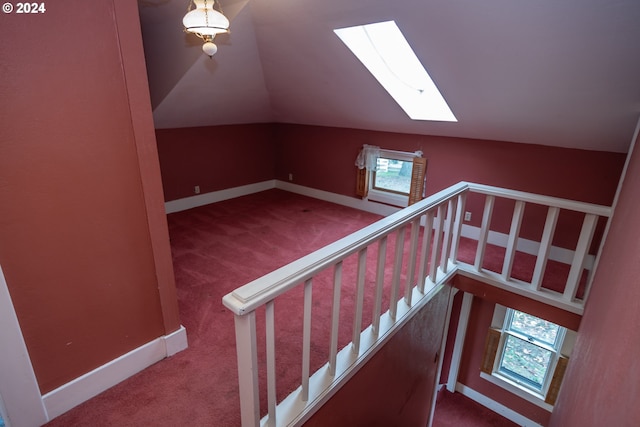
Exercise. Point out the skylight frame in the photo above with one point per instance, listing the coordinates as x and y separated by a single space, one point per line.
385 52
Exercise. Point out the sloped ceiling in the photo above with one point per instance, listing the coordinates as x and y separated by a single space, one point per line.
562 73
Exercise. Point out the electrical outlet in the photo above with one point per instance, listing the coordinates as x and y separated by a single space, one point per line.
467 216
290 177
196 189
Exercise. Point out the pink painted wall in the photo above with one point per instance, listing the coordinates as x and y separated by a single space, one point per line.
323 158
589 176
602 383
215 158
81 220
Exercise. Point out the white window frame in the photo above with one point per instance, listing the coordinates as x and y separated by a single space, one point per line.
391 197
554 350
563 346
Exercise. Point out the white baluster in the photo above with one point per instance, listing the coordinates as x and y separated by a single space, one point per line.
484 231
437 243
306 338
512 243
446 240
271 361
424 252
582 250
397 270
411 268
545 247
335 317
357 324
457 228
377 306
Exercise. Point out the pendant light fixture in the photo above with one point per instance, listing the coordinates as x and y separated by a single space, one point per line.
203 20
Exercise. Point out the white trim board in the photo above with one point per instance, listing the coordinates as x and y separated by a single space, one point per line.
441 353
496 407
106 376
231 193
21 403
518 391
458 346
217 196
495 238
527 246
19 391
339 199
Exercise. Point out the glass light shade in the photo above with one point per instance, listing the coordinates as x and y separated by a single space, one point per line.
209 48
205 21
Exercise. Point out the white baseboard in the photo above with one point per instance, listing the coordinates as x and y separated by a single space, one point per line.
339 199
527 246
217 196
519 391
100 379
496 407
176 341
495 238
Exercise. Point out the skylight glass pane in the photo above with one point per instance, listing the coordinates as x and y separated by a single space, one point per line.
382 48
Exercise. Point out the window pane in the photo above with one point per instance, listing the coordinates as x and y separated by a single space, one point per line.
525 361
394 175
534 327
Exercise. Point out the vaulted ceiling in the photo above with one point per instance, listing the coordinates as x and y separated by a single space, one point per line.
562 73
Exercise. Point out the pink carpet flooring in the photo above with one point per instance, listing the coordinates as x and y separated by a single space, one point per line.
215 249
456 410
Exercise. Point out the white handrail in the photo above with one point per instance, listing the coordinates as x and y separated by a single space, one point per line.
258 292
572 205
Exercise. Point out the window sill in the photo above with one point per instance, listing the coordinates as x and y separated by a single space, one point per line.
388 198
518 390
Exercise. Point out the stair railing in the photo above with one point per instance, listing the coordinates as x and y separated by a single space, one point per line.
426 261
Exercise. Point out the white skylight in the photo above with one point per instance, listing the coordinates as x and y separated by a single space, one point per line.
382 48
